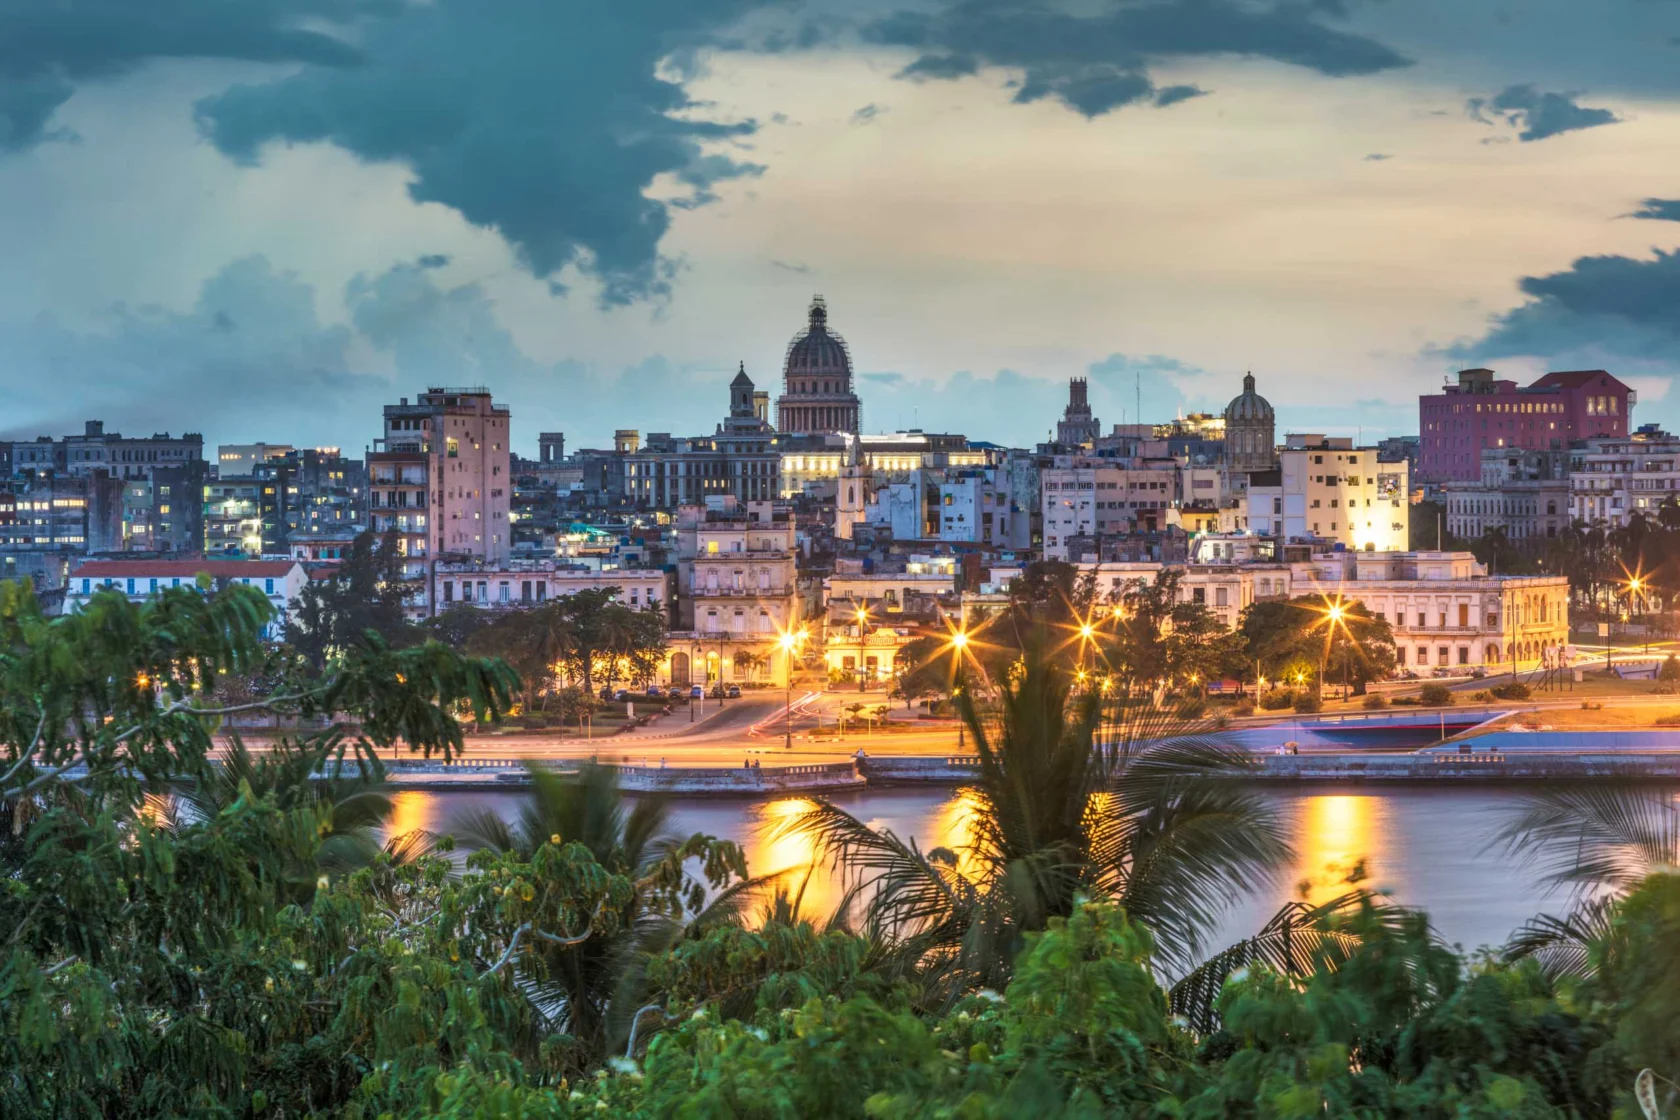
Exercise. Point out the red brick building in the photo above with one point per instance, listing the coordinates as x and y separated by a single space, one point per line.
1483 411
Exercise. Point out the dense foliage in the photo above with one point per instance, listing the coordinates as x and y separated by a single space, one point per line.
240 939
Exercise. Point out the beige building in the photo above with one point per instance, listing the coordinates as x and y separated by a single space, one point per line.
440 477
1328 489
532 584
737 592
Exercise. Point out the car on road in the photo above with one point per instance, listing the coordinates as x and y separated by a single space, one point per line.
655 690
622 695
733 692
606 692
695 692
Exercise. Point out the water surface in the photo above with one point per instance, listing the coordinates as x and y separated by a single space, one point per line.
1429 847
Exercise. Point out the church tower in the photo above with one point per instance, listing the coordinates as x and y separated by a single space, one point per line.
852 496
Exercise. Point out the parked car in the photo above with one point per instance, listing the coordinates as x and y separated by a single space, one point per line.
606 692
655 690
716 693
695 692
1478 673
733 692
622 695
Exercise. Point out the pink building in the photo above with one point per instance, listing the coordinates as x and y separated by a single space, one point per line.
1481 411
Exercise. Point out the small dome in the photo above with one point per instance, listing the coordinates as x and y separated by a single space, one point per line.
1250 406
817 349
742 381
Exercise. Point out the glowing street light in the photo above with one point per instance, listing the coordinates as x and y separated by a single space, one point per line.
790 641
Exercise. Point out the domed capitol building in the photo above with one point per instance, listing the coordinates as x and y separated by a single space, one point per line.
817 394
1250 431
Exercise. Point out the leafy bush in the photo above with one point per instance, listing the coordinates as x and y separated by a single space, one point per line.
1375 702
1670 670
1481 696
1277 699
1435 695
1516 690
1308 701
1243 707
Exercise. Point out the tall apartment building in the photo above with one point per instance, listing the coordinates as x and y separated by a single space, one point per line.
1611 480
1087 500
328 492
161 479
440 476
245 515
736 590
1328 489
1484 411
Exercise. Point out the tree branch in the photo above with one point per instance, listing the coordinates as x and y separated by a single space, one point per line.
28 752
635 1024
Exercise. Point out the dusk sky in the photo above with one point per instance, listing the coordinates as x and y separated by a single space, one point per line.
264 219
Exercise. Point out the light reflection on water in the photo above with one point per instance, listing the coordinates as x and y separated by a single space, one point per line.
1428 847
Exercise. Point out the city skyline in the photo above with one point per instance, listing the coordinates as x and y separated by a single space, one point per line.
601 220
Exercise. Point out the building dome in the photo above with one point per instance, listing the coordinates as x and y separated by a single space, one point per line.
1250 432
818 350
817 394
1250 406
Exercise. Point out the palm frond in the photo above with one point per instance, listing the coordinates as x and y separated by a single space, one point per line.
1563 946
1294 941
1605 835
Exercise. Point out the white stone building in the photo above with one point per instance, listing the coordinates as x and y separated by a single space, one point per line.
282 581
1612 479
1444 608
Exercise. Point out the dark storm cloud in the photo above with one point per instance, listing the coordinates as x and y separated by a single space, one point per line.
1097 60
1658 210
1538 115
1172 95
543 121
1601 308
46 48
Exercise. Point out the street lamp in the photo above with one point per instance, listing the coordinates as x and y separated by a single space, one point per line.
789 641
863 638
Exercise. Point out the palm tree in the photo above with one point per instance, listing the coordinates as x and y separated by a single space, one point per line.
351 799
1118 799
681 887
1599 841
